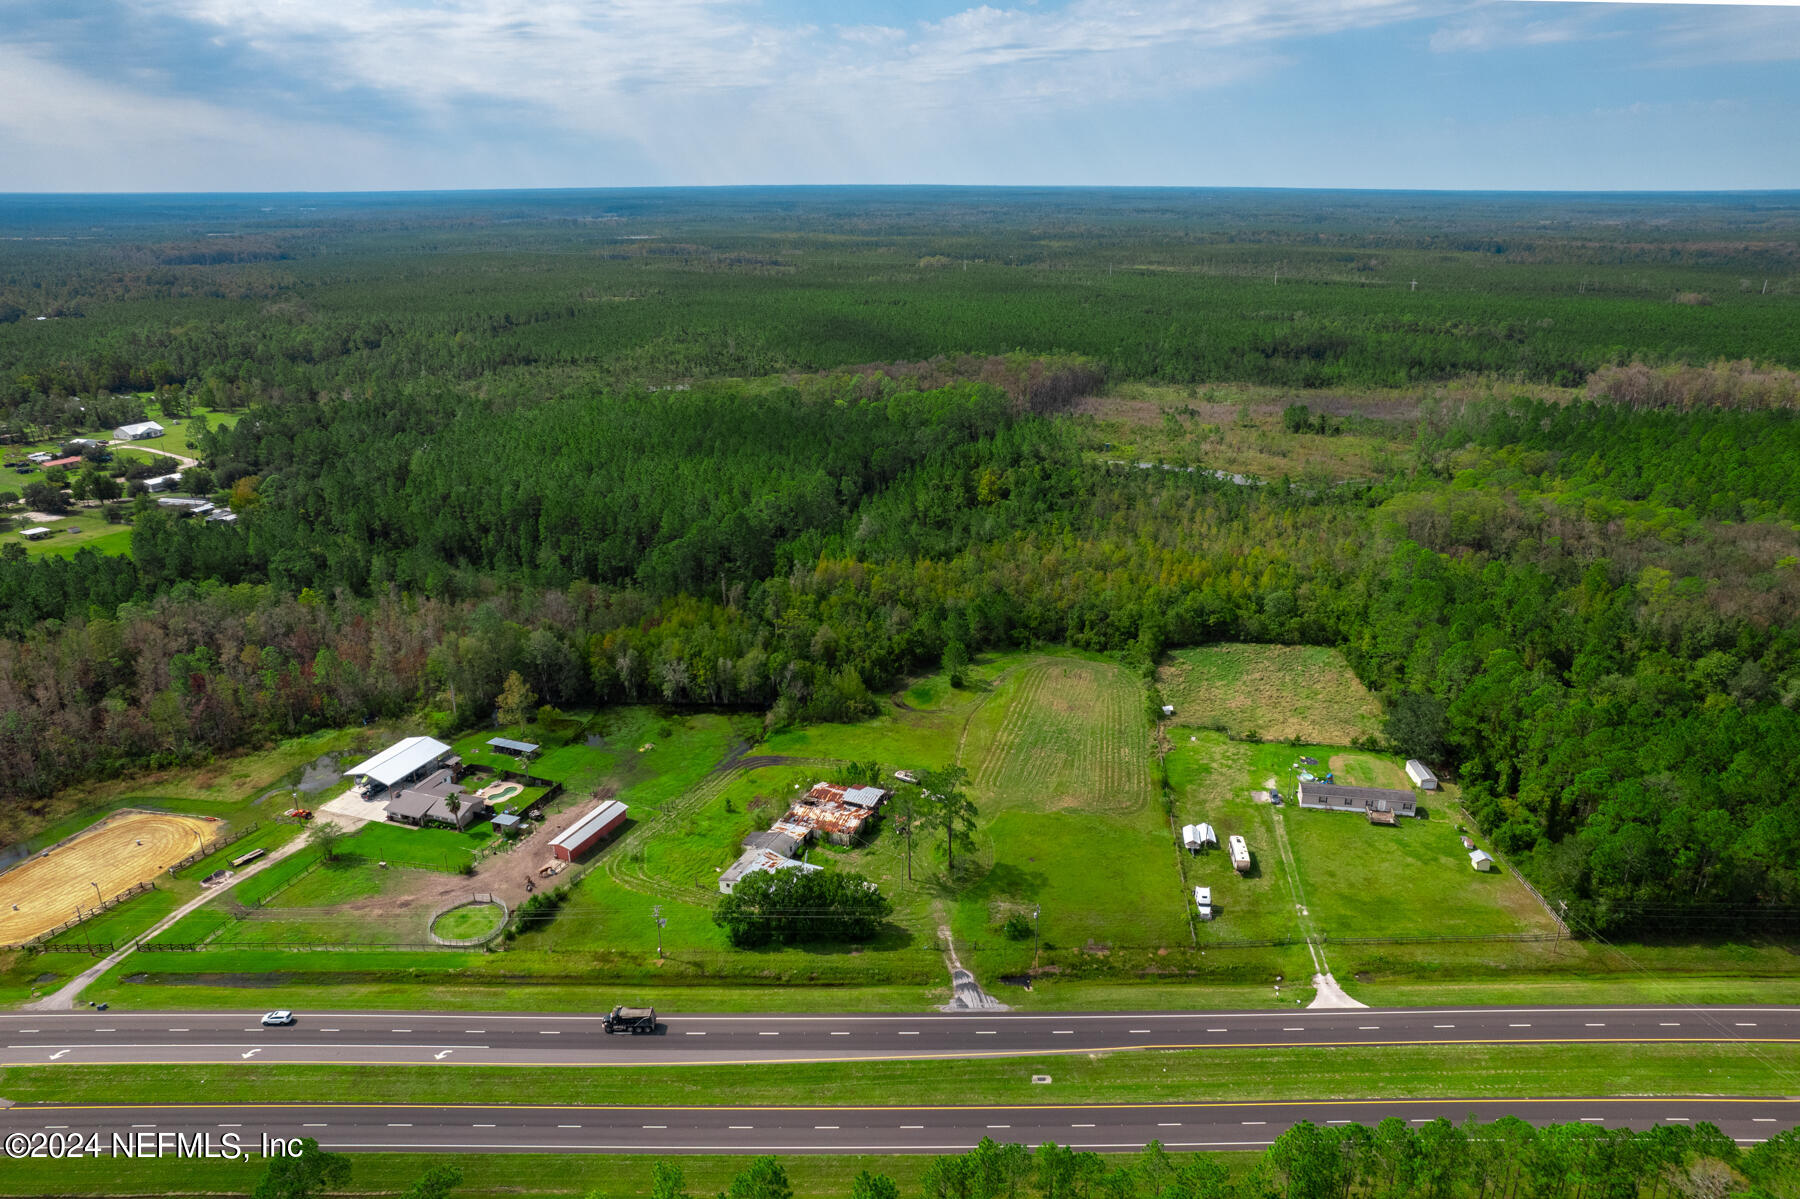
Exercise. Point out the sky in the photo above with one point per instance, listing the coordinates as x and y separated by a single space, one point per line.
345 95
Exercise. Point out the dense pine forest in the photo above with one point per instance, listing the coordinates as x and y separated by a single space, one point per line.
782 448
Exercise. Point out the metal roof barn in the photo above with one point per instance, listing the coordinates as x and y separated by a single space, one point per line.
1421 774
512 747
400 761
585 833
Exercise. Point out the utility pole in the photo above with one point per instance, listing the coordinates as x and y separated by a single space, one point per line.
98 898
1036 911
661 923
1415 285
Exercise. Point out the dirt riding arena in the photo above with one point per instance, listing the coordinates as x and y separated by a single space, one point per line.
117 854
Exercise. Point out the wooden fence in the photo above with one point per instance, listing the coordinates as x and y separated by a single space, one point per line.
215 846
37 942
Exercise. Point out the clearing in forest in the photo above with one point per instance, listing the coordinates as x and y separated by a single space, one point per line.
1275 691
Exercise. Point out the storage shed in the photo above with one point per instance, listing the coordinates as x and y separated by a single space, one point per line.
1190 837
1421 775
1207 835
1481 859
587 832
518 749
34 533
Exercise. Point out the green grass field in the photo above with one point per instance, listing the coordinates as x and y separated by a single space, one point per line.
1276 691
133 917
84 529
469 921
443 849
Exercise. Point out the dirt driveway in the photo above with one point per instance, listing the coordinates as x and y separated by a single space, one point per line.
509 876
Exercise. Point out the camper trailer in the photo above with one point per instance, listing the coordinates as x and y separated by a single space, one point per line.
1203 902
1240 855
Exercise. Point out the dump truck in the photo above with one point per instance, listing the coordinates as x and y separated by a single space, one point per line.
633 1020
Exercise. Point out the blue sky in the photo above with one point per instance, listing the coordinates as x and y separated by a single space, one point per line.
269 95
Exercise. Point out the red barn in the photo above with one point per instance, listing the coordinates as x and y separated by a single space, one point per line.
588 832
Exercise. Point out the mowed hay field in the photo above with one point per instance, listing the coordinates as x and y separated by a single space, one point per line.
1059 758
1276 691
1061 734
47 890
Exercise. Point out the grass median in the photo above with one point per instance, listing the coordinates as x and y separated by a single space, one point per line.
1175 1076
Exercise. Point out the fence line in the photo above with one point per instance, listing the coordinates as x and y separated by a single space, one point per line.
1495 853
1327 938
65 926
215 846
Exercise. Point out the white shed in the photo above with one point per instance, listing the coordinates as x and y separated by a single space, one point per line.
1190 837
1207 835
1481 859
1421 775
34 533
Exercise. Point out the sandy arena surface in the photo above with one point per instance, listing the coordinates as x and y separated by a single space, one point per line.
115 855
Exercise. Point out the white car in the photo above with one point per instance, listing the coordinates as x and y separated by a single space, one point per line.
276 1019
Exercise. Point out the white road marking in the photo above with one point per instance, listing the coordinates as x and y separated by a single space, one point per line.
1518 1026
568 1126
908 1032
442 1054
1670 1024
106 1030
656 1126
999 1126
1168 1126
327 1126
1337 1121
1762 1119
321 1030
912 1126
696 1034
980 1032
1443 1026
1745 1024
1081 1126
1596 1026
402 1030
1254 1123
549 1032
231 1126
1137 1031
1218 1030
825 1127
1676 1119
474 1030
1593 1119
60 1052
143 1126
740 1127
1367 1027
1062 1032
835 1034
171 1030
768 1034
246 1056
1293 1030
399 1126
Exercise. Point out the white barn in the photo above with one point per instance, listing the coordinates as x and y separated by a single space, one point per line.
140 431
401 762
1421 775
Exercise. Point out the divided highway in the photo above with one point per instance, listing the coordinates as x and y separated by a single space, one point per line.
561 1039
795 1130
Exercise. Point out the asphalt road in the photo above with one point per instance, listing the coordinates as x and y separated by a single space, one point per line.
796 1130
530 1039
